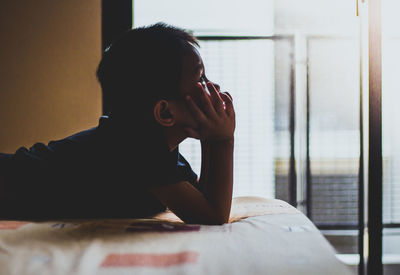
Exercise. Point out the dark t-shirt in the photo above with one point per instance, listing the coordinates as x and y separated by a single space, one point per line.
103 172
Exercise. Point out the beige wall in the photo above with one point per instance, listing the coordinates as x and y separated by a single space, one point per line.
49 51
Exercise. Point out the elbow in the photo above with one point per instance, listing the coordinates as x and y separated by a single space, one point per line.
222 221
222 216
212 220
219 220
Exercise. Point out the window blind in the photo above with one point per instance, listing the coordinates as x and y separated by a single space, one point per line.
244 68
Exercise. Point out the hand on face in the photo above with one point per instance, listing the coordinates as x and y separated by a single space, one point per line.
213 113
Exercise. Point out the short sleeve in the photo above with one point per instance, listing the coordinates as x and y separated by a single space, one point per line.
185 172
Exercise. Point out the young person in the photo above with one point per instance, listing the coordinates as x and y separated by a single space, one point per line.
154 84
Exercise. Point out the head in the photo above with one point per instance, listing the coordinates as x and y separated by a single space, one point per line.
146 72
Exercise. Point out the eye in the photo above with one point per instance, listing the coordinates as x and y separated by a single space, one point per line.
203 79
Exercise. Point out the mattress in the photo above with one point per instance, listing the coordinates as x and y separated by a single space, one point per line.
263 236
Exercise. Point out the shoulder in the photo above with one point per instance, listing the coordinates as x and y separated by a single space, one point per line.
54 149
76 140
93 137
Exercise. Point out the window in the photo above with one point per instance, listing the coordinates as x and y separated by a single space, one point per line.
281 60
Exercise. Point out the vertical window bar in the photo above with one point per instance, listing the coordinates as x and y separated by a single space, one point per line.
374 264
308 166
361 180
292 164
361 267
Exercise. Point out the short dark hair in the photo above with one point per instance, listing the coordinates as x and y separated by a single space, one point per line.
143 65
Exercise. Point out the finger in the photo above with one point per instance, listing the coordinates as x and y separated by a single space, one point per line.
215 98
228 104
228 94
205 102
197 113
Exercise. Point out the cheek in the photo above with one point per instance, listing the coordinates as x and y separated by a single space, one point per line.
188 117
184 116
191 88
198 94
195 90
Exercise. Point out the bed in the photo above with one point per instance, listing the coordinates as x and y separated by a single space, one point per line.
263 236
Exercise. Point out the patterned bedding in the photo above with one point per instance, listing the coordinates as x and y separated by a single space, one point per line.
263 236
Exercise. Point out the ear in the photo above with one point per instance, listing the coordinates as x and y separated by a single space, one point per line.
162 113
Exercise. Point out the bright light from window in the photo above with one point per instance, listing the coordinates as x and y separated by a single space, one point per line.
208 16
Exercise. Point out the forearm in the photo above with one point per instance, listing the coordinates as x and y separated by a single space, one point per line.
216 126
219 181
205 164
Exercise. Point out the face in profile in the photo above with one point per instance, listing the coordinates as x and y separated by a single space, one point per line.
193 75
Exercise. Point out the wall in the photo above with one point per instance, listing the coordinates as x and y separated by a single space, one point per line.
49 51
